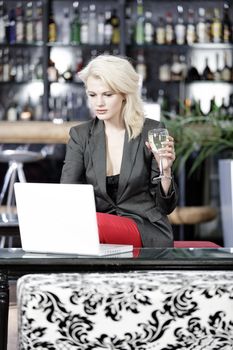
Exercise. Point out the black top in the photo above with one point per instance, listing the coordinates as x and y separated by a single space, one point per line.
112 186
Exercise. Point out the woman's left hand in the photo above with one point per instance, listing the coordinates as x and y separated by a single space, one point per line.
167 153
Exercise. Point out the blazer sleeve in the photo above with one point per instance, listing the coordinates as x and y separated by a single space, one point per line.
73 168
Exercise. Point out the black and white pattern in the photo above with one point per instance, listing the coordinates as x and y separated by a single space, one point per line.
165 310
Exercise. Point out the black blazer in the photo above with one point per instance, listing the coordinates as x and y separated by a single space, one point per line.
137 196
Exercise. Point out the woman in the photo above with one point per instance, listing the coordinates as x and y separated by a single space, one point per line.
111 152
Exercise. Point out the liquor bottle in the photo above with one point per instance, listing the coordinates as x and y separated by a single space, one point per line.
192 73
148 28
139 35
52 30
65 32
52 72
108 29
68 74
169 29
226 71
115 21
180 30
201 29
217 73
38 22
6 65
92 25
176 69
191 30
165 72
38 110
84 25
216 27
11 28
19 27
207 73
100 28
39 68
12 112
78 65
128 26
19 66
226 25
27 111
223 109
160 31
141 67
75 26
29 36
2 22
214 108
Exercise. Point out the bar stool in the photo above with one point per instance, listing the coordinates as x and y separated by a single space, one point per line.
16 160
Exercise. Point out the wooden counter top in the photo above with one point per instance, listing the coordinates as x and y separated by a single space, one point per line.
35 132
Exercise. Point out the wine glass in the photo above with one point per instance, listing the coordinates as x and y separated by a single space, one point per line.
156 138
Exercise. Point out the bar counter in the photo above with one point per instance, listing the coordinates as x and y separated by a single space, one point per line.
42 132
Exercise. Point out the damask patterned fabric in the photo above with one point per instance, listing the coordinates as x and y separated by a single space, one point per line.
162 310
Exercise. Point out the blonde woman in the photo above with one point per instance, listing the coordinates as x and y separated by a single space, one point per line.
111 153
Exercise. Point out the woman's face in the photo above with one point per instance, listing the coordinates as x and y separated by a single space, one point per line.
105 103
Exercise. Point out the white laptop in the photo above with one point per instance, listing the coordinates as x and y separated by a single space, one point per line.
61 219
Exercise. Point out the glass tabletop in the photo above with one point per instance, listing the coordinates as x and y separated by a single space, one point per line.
138 254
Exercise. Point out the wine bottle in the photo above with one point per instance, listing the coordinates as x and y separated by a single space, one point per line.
190 31
160 31
169 29
65 32
19 27
192 73
226 25
38 22
217 73
180 30
207 73
84 25
139 35
108 29
216 27
201 29
29 23
76 25
148 28
52 30
92 25
2 22
226 71
115 21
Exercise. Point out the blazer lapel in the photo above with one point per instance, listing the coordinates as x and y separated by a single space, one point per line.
128 160
98 153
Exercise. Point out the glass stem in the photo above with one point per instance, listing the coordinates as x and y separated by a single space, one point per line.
161 166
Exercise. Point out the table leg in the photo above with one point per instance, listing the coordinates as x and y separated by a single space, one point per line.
4 308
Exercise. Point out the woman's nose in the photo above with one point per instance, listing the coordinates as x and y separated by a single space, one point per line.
100 100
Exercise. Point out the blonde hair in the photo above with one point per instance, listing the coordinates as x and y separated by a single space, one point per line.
119 74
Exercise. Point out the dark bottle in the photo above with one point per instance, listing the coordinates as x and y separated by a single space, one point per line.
115 21
226 71
11 28
128 25
192 73
207 73
52 30
226 25
214 109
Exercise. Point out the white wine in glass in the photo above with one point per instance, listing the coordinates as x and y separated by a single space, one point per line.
156 138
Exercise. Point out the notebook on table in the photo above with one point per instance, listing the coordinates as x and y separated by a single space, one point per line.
61 219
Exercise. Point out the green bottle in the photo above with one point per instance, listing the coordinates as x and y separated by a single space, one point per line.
75 25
